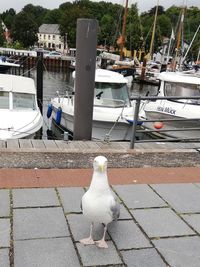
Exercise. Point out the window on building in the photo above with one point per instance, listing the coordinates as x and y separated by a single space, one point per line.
54 37
44 36
49 37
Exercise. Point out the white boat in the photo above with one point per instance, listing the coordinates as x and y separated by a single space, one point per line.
5 64
185 110
112 111
20 116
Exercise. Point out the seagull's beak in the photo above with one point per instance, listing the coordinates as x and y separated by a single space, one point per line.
101 167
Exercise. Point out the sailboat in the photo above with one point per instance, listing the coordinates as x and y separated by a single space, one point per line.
150 68
121 65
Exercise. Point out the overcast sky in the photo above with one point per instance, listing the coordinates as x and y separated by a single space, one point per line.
143 5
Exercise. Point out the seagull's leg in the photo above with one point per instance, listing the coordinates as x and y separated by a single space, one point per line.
89 240
102 243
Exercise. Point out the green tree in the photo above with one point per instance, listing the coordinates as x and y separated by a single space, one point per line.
68 22
106 30
24 29
37 13
53 16
134 38
1 36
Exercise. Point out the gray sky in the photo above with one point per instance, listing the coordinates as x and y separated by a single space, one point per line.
143 5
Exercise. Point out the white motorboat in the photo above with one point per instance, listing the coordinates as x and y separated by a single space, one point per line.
20 116
5 64
184 114
112 111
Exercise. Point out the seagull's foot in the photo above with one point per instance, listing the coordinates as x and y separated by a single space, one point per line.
87 241
101 243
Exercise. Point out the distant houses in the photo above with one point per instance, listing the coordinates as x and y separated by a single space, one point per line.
49 37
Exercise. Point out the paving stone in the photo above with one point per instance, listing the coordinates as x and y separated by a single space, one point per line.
138 196
182 197
161 222
183 252
127 235
80 227
5 203
35 197
124 214
39 223
4 233
71 198
193 220
4 257
142 258
94 256
45 252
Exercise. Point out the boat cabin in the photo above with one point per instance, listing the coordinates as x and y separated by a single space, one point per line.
176 84
17 96
110 89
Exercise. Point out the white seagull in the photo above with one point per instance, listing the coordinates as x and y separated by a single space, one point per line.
98 203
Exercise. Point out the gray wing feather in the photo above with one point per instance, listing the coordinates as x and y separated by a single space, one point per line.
115 209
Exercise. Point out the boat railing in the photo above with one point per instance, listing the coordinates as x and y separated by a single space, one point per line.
139 120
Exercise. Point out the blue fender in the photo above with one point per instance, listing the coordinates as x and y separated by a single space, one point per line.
49 110
58 115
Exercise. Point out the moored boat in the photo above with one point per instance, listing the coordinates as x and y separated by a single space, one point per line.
112 111
20 116
183 114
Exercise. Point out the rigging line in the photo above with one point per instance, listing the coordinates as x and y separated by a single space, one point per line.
27 71
120 115
115 36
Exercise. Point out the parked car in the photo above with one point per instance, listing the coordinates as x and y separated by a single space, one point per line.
53 54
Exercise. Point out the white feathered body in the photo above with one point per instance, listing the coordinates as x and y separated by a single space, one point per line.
98 200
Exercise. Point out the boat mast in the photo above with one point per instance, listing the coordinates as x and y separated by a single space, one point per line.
191 44
180 32
123 31
153 32
198 56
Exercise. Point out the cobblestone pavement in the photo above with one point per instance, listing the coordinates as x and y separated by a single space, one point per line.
159 226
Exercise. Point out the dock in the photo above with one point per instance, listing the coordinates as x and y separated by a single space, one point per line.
33 153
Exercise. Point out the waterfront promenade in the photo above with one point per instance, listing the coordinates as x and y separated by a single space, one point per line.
41 221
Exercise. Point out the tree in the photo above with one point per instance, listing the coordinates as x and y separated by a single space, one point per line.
133 29
37 13
68 22
106 30
1 36
52 16
24 29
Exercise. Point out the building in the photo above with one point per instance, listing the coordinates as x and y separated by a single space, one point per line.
49 37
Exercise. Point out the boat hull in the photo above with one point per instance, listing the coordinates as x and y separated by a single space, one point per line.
187 128
101 130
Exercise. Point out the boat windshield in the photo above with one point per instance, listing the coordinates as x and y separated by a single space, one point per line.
4 100
111 94
183 89
24 101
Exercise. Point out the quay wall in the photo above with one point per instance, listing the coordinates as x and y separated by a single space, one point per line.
80 154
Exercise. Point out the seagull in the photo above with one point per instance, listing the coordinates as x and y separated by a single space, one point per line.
99 204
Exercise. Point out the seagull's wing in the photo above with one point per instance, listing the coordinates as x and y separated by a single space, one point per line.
115 209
